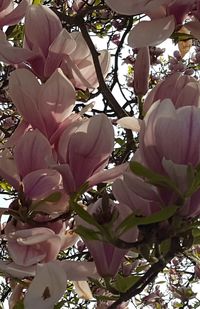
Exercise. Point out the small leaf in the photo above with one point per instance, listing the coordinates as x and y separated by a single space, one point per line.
85 215
122 284
132 221
53 198
88 234
152 177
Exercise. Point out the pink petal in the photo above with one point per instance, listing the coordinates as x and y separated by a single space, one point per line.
56 100
194 27
108 175
42 26
33 152
24 88
41 183
63 45
151 33
16 15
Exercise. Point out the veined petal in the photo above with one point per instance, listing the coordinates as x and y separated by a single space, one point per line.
57 99
41 183
33 152
24 88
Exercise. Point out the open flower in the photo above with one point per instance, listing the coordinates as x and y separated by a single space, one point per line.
52 48
28 171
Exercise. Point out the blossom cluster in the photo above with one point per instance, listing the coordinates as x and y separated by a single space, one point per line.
55 154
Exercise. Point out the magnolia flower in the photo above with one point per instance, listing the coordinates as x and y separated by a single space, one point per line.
164 14
54 47
28 170
44 106
169 156
84 150
11 15
164 120
107 257
181 89
28 246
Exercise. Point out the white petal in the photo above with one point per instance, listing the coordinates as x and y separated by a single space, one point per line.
131 123
83 290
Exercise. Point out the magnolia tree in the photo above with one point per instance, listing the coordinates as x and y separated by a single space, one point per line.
100 154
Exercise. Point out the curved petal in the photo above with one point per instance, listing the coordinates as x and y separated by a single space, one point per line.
42 26
63 45
32 152
41 183
23 89
56 100
194 27
131 123
15 15
151 33
47 287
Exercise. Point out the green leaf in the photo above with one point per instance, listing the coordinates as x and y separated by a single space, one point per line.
88 234
122 284
132 221
85 215
152 177
195 184
165 246
53 198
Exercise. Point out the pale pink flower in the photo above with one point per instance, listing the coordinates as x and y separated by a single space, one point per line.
28 170
29 245
84 150
52 48
181 89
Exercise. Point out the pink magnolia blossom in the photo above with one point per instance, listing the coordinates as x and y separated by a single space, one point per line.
164 14
54 47
29 245
44 106
181 89
29 170
11 15
107 257
181 127
168 145
84 149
